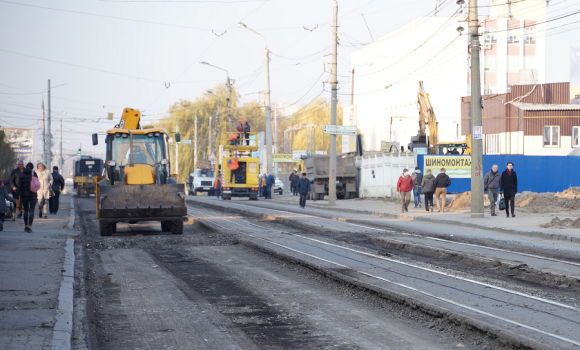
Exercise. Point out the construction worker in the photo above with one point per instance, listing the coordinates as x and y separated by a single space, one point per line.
247 132
233 139
233 164
218 185
264 186
240 128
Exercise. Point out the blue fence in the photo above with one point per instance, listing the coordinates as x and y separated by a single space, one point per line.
535 173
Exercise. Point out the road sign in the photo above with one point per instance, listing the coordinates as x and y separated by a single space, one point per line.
186 142
477 132
340 130
212 157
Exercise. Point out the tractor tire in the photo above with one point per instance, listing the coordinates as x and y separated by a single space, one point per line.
106 228
165 226
176 227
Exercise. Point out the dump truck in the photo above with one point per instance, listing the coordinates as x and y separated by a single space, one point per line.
317 167
137 185
245 183
88 171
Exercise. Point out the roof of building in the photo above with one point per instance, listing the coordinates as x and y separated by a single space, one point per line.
546 107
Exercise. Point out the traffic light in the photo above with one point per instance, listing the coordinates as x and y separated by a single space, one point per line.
79 152
177 138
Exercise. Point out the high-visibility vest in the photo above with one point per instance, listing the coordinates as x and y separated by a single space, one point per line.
233 164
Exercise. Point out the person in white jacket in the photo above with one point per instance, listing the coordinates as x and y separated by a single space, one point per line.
45 190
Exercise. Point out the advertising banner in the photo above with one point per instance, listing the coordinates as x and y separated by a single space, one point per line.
575 75
21 141
455 166
284 158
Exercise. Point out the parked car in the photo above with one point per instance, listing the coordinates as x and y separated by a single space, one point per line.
69 181
279 187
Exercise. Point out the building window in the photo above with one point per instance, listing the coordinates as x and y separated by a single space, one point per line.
492 144
490 35
530 35
575 136
513 37
490 63
514 64
551 136
489 89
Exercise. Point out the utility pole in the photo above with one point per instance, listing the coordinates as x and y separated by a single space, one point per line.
229 104
268 113
48 133
333 102
209 138
43 123
217 118
352 89
476 121
275 130
195 140
176 149
61 160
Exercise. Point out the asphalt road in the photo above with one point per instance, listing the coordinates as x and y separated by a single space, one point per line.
265 275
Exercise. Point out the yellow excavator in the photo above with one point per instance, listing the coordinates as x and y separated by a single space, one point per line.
430 144
137 185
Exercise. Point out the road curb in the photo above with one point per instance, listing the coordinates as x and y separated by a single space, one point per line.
400 298
537 234
71 217
62 331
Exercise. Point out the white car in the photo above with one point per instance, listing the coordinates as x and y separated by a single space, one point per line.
279 186
69 181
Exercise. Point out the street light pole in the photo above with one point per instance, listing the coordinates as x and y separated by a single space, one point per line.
333 106
48 133
476 120
268 159
195 140
229 86
176 149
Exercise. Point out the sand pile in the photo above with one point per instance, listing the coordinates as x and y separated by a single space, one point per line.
461 200
566 223
571 193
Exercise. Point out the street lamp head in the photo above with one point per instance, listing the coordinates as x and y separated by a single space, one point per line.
209 92
243 26
203 62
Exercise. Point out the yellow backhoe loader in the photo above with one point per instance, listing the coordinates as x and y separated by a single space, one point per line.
137 185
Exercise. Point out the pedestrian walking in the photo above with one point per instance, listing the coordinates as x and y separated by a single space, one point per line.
291 180
442 181
45 191
303 187
28 184
233 165
14 176
57 187
428 187
417 179
247 132
509 187
270 181
4 196
404 187
296 179
491 184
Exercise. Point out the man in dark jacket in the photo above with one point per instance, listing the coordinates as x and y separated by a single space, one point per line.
417 179
509 187
491 182
303 187
295 183
14 184
57 186
428 187
291 179
270 181
442 181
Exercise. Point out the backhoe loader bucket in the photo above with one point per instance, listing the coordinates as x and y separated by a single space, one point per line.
132 203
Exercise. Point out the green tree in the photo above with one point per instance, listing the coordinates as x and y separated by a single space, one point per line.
318 113
7 157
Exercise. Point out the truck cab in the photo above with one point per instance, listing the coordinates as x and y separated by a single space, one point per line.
202 181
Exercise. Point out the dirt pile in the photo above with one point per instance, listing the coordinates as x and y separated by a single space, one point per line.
461 200
549 202
566 223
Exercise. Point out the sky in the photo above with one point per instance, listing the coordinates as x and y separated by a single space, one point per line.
104 55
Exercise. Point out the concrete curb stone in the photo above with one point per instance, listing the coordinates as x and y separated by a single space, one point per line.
538 234
62 331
